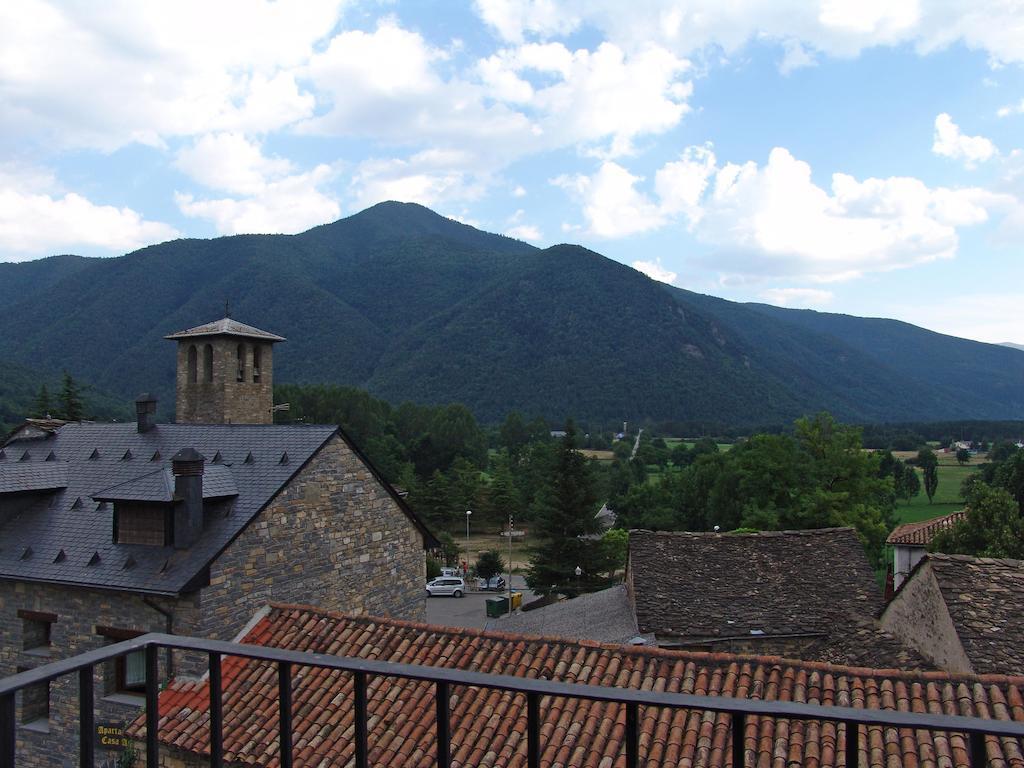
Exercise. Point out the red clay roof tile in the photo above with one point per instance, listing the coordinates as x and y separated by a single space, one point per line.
488 727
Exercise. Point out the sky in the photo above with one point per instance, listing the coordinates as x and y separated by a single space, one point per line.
855 156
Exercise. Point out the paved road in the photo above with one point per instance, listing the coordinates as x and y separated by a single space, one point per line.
470 610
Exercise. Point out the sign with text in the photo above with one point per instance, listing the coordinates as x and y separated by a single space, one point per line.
111 736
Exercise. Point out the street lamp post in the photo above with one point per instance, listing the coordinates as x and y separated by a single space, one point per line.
468 513
510 564
579 572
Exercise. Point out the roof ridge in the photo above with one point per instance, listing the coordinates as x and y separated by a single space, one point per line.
960 558
647 651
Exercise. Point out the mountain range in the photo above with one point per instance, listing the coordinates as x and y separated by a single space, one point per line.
413 306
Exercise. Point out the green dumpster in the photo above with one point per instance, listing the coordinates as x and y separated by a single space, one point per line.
497 607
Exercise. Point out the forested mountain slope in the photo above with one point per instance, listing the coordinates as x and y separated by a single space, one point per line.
414 306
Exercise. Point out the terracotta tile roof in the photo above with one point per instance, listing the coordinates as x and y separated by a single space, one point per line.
984 598
488 728
921 533
693 585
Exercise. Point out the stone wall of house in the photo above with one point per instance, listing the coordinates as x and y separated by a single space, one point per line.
334 539
223 399
78 613
918 616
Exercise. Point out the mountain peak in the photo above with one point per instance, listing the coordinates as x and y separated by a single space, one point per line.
392 221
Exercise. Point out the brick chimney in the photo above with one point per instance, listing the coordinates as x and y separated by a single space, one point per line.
145 412
187 467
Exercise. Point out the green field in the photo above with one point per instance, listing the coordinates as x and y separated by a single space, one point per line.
947 495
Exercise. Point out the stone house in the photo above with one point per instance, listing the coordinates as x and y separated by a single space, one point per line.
962 613
801 594
108 531
489 727
910 543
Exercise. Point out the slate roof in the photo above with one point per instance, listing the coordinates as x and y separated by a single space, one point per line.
985 599
65 529
28 476
226 327
921 533
158 486
730 585
489 728
604 616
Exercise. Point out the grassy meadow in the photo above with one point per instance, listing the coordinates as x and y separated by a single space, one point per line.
947 496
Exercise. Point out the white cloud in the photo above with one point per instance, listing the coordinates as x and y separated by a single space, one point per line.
1011 109
797 297
832 27
430 178
288 204
517 228
39 218
230 162
519 191
988 317
655 271
952 143
611 203
525 232
775 221
109 74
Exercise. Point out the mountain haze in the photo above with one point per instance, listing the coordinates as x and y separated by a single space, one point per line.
413 306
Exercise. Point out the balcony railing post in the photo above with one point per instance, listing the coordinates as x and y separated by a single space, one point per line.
152 707
533 730
7 730
852 745
739 750
632 734
216 713
86 718
978 757
284 708
359 690
444 745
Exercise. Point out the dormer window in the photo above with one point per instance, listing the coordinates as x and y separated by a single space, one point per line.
142 523
240 354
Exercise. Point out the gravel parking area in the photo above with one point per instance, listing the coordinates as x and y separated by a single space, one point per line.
470 610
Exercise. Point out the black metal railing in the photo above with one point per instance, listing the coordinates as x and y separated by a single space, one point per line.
853 720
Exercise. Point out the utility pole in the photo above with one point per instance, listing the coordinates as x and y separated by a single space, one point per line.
510 525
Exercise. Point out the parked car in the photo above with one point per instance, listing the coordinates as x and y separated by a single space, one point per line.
452 572
493 584
446 585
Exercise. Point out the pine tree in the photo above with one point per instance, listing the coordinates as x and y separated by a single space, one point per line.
41 408
563 513
71 399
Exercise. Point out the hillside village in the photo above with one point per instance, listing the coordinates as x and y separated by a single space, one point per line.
511 384
227 526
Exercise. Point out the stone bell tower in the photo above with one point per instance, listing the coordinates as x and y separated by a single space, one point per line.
225 374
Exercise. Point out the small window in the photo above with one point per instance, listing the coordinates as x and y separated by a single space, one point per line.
125 674
208 362
193 365
35 704
257 359
36 628
240 355
131 672
142 524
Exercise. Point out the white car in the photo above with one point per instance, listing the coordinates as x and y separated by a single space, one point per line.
446 585
493 584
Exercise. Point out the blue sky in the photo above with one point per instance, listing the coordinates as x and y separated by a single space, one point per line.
862 157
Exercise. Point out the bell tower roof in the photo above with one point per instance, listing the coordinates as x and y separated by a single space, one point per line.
226 327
